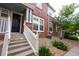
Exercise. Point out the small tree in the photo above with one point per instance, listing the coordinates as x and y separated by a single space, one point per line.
63 21
63 24
67 10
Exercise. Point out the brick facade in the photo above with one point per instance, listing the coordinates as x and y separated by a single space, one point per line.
43 13
1 36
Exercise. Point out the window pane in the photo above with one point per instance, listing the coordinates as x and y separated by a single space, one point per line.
41 27
35 26
35 19
50 25
41 22
50 29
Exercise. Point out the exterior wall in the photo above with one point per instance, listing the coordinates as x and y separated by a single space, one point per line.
43 13
1 36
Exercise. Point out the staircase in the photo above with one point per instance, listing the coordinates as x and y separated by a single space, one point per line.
19 46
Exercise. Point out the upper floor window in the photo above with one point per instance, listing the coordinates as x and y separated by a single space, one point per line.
50 25
39 5
51 12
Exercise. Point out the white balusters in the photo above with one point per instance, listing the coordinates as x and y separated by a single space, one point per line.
32 39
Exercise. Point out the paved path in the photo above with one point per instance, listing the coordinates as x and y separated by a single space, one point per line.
73 52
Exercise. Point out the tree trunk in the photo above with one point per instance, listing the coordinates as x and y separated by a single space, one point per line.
61 34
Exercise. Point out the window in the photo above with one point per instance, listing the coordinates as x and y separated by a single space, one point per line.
38 23
50 25
3 20
35 26
3 25
41 25
39 5
51 12
29 15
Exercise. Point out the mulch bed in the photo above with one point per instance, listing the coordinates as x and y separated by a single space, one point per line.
47 42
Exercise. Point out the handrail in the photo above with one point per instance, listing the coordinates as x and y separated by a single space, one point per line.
5 45
31 38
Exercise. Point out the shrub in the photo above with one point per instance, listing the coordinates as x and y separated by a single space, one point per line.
43 51
71 37
60 45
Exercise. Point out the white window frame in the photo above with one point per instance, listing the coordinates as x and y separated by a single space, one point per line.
28 15
51 12
48 26
39 5
38 22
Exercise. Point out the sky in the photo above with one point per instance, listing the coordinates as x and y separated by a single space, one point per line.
57 4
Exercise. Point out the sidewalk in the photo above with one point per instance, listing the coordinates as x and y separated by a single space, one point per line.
73 52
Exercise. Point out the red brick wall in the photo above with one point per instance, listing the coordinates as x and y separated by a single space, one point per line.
1 36
43 13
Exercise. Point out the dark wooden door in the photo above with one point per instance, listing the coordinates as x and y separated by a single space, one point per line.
16 23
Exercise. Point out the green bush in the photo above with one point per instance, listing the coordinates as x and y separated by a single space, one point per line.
43 51
60 45
71 37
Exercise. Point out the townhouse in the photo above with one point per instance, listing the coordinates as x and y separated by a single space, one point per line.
24 21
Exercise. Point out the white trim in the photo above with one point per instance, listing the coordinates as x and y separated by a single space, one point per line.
9 26
38 22
30 16
30 44
1 25
48 26
27 9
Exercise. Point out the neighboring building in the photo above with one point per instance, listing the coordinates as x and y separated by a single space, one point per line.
26 18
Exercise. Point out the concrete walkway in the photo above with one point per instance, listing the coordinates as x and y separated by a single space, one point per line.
73 52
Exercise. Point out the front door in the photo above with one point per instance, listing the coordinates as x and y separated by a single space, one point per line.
16 23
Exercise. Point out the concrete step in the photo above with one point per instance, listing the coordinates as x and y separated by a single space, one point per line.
19 50
26 53
17 46
18 42
17 35
16 39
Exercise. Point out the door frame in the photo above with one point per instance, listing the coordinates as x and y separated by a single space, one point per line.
20 20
